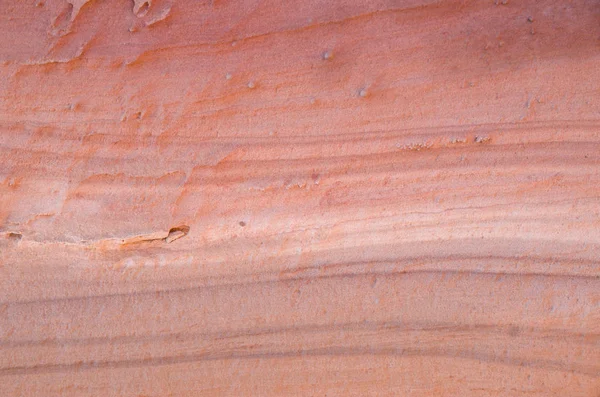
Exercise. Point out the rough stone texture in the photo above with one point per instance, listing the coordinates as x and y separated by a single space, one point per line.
390 197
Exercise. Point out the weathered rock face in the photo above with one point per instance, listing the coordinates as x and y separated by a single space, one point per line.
303 198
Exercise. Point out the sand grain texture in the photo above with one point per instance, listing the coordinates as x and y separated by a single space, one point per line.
269 198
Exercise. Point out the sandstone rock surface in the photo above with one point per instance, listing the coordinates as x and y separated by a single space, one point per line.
260 198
